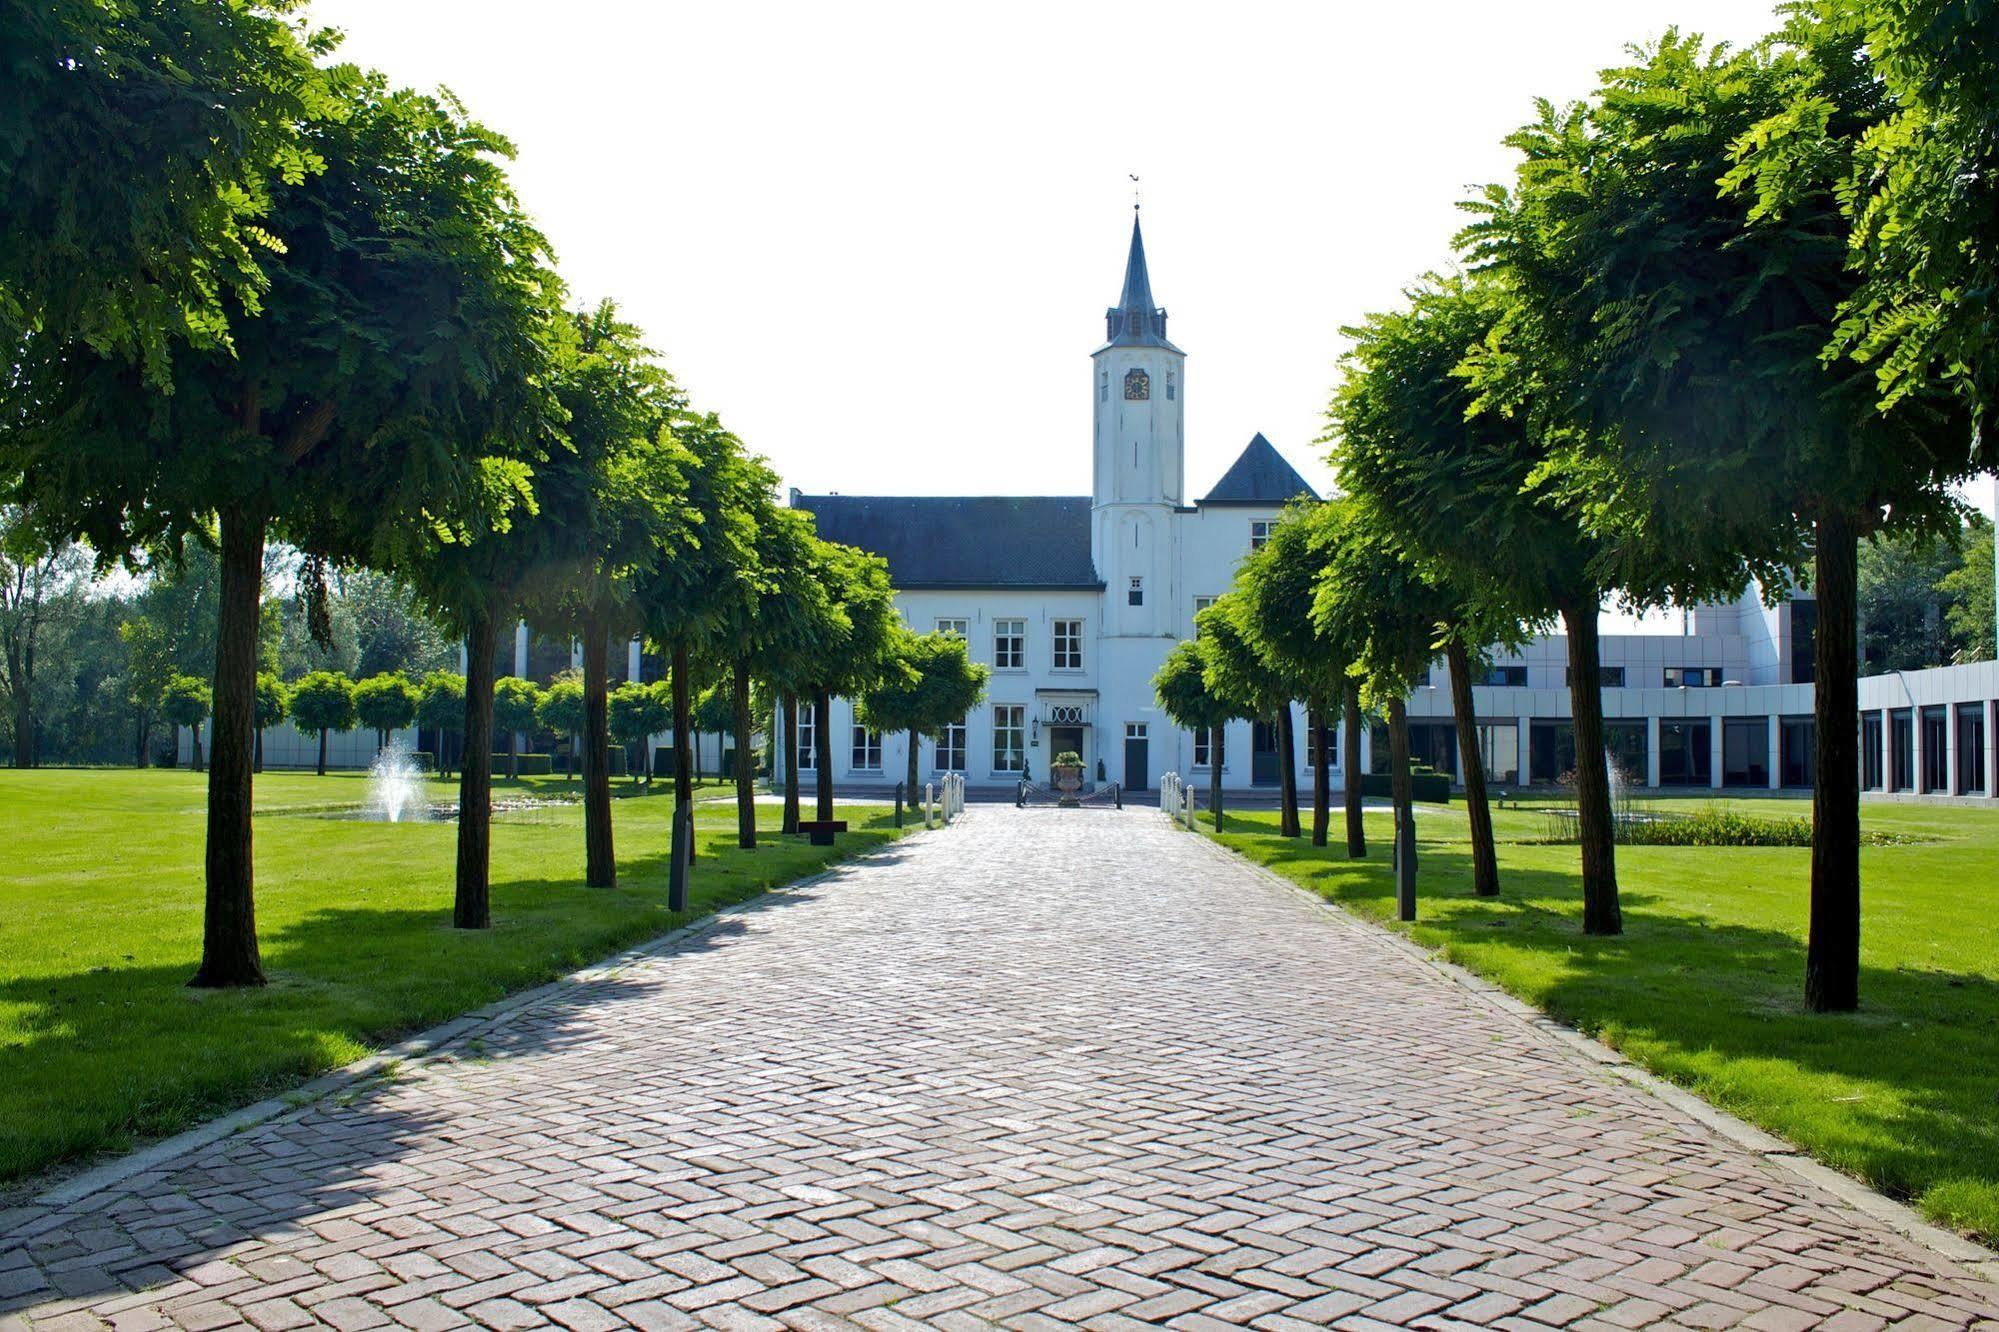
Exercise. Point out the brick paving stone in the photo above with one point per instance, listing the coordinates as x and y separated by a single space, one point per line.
1043 1069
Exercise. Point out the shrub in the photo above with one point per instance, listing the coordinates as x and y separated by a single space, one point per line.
531 765
1717 827
1431 788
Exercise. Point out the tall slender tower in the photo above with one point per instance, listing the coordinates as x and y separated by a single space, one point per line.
1140 446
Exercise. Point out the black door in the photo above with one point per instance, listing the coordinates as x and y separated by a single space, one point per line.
1137 757
1263 754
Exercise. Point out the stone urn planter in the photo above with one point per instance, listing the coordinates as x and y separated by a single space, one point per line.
1065 774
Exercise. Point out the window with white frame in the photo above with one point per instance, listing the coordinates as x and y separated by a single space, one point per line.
867 754
1259 532
1068 645
1200 604
1203 746
1009 737
1134 594
951 624
807 751
1009 645
951 748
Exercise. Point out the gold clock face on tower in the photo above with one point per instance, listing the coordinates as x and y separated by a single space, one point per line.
1137 386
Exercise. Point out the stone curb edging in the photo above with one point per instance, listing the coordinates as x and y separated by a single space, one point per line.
1953 1249
51 1207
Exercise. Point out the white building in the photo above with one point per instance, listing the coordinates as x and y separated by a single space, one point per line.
1074 601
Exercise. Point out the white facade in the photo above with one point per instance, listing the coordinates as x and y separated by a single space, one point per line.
1718 706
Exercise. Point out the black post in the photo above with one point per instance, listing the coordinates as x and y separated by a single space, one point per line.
898 804
1117 795
683 852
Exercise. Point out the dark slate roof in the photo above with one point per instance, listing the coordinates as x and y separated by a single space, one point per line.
1135 321
1259 476
967 541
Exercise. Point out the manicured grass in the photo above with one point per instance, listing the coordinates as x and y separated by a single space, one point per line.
1705 985
101 1043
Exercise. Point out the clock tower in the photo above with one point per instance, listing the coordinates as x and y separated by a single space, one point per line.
1139 387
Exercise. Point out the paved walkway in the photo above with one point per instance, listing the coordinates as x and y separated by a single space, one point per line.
1045 1069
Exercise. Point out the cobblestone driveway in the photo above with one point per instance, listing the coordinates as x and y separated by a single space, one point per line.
1044 1069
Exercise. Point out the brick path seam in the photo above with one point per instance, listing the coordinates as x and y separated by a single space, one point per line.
1046 1069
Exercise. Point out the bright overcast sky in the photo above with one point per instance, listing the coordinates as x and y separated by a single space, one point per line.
879 240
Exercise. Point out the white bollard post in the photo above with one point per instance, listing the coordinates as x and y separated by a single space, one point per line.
1187 807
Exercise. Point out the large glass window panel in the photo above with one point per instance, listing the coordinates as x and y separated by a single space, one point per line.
1745 751
1971 776
1686 753
1798 739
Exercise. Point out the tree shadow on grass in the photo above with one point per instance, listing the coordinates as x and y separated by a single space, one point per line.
1904 1092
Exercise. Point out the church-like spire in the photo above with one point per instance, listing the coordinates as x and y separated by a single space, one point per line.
1135 321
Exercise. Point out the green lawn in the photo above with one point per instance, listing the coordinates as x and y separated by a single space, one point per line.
1704 986
101 1043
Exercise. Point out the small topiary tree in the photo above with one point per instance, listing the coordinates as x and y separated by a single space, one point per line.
385 703
561 711
274 703
440 707
323 701
637 713
186 703
514 704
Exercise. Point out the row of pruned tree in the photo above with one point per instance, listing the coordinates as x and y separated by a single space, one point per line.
252 295
1733 316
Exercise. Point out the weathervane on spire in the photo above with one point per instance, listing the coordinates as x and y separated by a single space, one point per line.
1134 193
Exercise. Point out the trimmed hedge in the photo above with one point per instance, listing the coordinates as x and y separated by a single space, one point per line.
1432 788
529 765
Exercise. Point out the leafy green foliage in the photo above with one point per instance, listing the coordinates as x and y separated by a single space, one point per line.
932 683
385 702
1677 279
401 321
1181 686
1276 585
638 712
515 702
561 707
186 700
273 700
323 701
440 702
139 144
1921 192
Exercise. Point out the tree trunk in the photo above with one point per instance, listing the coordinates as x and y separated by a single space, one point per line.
24 721
322 751
1594 818
1832 953
1350 756
915 768
790 743
472 909
1402 798
1471 768
746 791
513 755
229 924
194 747
1287 773
1215 758
600 860
257 760
822 737
683 724
1322 775
142 759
